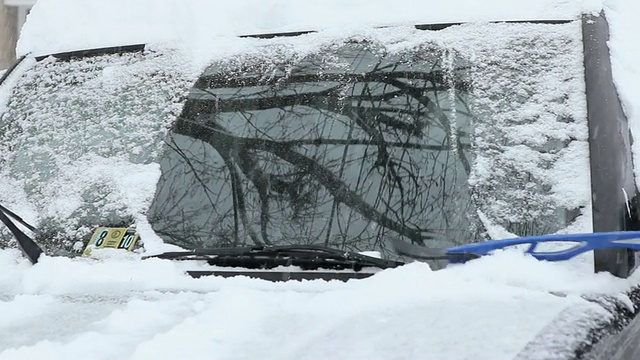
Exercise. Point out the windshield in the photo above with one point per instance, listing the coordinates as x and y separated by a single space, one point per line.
430 137
345 148
77 134
353 145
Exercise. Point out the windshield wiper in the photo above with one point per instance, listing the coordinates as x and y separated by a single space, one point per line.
29 247
307 257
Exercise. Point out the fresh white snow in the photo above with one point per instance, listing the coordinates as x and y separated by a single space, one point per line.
195 23
624 64
117 306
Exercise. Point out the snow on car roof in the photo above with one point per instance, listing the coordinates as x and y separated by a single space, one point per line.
60 25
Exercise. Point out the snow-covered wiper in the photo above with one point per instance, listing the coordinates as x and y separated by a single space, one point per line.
29 248
328 263
306 257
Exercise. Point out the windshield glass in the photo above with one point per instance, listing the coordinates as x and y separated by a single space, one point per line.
76 135
353 144
431 137
344 148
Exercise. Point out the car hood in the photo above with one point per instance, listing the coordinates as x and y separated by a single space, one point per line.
116 305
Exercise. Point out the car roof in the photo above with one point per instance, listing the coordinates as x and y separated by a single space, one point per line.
59 25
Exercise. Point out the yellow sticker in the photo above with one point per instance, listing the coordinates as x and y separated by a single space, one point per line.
114 238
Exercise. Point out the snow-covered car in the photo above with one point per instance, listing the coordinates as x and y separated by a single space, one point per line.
281 142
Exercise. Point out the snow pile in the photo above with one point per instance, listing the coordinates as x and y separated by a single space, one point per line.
124 308
64 25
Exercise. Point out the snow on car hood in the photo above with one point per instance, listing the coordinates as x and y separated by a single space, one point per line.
117 306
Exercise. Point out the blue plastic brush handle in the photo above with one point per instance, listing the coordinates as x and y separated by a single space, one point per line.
583 243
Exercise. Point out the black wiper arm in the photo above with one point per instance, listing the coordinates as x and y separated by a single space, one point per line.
20 220
308 257
29 248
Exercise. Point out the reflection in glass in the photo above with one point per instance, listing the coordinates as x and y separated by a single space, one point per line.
346 148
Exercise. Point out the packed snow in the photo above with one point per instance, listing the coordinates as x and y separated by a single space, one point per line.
117 306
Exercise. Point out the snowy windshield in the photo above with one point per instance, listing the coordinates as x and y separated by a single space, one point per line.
76 135
426 136
354 144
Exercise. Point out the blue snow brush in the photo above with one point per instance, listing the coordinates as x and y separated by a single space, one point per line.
581 244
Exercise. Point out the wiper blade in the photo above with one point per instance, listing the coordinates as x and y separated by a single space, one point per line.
29 248
244 250
20 220
307 257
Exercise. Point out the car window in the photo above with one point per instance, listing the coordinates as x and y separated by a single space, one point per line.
342 148
87 121
428 136
354 144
